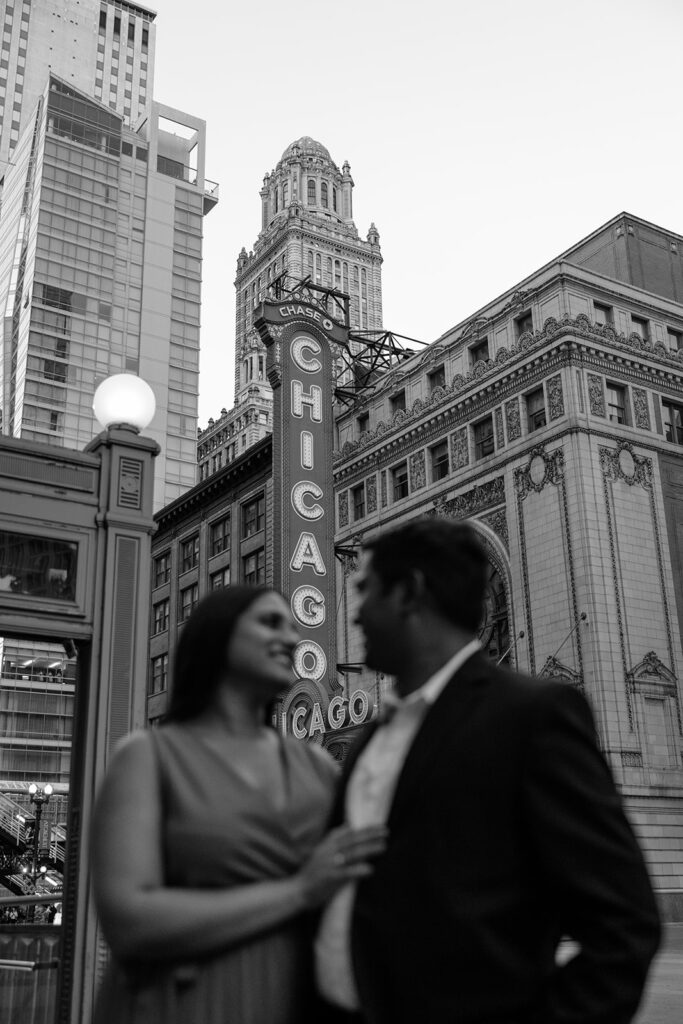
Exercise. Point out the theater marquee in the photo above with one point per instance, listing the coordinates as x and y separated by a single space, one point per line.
299 337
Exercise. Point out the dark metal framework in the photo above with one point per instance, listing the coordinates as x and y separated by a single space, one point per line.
369 355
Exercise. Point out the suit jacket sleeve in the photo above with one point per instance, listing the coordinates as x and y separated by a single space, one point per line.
591 863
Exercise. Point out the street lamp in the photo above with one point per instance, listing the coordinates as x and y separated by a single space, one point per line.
124 400
38 796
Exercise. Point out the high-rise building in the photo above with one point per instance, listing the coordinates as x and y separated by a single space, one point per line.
104 49
100 244
103 195
307 231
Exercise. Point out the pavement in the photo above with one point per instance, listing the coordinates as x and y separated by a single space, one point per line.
663 999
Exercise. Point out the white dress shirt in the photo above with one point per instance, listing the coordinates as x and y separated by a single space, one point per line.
369 794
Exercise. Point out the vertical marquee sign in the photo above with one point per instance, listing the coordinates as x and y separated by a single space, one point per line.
298 336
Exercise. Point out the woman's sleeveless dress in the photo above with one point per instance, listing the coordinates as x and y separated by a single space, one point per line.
223 831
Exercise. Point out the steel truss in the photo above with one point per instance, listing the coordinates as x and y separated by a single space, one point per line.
368 356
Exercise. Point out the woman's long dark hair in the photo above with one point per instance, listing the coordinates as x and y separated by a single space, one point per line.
200 655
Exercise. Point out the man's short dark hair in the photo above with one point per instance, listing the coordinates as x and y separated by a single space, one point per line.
450 557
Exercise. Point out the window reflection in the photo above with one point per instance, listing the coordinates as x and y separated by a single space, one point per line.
38 566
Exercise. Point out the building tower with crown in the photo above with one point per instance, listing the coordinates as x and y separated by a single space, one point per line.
307 230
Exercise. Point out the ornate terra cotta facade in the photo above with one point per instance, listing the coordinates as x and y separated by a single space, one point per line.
561 422
307 231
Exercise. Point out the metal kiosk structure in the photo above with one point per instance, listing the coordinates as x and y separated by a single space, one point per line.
75 544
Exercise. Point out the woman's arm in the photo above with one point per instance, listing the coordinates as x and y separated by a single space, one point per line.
142 918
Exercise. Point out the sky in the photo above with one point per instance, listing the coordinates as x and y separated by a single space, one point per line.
485 137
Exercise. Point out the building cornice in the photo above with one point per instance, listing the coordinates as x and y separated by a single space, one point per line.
258 456
560 341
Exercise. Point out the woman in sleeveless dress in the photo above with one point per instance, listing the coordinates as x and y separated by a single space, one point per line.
208 848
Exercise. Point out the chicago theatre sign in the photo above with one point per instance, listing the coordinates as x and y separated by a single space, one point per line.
299 337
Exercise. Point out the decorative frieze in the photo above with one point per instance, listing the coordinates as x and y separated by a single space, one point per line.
371 493
460 449
596 395
513 420
641 408
555 397
477 498
555 669
543 468
498 521
417 471
343 512
498 422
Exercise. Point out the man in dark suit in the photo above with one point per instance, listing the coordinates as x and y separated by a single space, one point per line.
506 832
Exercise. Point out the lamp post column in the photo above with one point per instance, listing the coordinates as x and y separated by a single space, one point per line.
115 701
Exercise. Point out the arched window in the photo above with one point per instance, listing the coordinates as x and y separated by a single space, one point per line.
345 277
494 632
277 198
323 194
337 275
309 264
328 271
334 199
311 191
318 268
285 190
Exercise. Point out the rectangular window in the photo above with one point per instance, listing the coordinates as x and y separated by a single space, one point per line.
189 553
397 402
616 403
399 477
253 516
437 378
254 567
439 459
362 423
673 422
535 410
188 599
103 20
117 26
160 616
358 501
523 324
131 31
158 678
145 39
162 569
641 327
483 438
674 339
603 314
220 579
219 536
479 351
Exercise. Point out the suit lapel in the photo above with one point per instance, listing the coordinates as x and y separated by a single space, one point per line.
439 730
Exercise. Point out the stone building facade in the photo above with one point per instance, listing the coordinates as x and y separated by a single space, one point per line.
307 230
553 419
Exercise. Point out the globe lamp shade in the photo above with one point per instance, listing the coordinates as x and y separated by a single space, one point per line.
124 400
